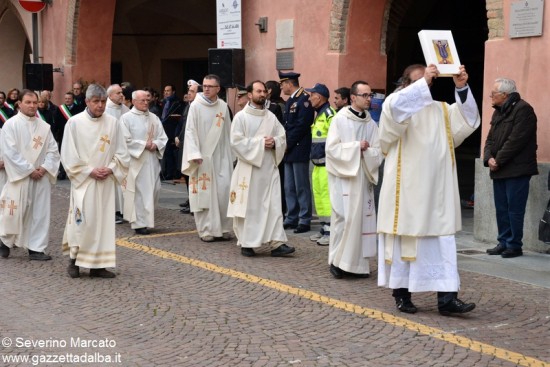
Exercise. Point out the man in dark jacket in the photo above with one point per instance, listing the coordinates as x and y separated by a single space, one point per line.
298 119
511 155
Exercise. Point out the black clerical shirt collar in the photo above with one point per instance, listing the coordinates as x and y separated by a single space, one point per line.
361 114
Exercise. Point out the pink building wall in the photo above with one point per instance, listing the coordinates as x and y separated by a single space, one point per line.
87 58
312 58
525 61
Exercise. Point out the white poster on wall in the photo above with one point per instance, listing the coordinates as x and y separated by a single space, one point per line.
228 16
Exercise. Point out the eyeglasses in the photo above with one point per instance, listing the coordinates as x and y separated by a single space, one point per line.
209 86
495 93
365 95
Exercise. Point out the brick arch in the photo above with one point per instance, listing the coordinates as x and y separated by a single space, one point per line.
495 21
338 25
73 12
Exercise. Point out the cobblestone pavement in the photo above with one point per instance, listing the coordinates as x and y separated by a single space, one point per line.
177 301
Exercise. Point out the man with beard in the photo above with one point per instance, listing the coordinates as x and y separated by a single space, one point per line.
258 140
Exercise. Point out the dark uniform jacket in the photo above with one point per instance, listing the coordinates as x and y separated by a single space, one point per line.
299 116
512 139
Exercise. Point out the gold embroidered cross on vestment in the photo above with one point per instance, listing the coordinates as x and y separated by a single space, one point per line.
37 142
104 139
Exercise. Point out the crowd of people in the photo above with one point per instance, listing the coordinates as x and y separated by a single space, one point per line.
248 174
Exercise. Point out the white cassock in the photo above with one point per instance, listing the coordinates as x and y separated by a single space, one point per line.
3 175
255 196
207 138
142 186
90 143
117 110
419 206
27 144
351 176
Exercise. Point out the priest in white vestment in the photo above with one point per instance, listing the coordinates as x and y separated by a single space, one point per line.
94 155
208 161
116 108
3 175
419 206
146 142
258 140
352 161
31 162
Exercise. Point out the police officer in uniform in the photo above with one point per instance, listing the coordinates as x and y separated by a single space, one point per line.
319 96
298 120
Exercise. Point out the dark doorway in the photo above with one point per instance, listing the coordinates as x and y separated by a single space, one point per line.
467 19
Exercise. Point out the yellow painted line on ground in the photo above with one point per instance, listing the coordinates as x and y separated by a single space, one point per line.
500 353
159 235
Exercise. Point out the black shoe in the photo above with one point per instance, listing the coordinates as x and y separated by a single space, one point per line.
289 225
499 249
508 253
282 251
456 306
101 273
302 228
119 219
405 305
185 210
247 251
225 237
142 231
38 256
364 275
336 272
183 205
73 270
4 251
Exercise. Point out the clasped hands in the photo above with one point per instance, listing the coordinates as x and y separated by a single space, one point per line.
150 146
101 173
38 173
269 142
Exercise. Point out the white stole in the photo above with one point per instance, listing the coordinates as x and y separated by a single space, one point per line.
14 194
129 184
96 160
199 186
240 180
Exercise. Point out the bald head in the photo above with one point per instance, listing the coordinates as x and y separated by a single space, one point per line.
140 100
114 92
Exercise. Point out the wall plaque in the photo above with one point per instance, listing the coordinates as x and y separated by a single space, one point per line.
285 60
526 18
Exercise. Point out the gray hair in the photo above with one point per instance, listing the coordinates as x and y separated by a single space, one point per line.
95 90
506 85
111 88
135 93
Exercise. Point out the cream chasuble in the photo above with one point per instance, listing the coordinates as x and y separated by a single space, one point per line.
90 143
142 186
27 144
351 175
255 196
207 138
117 110
3 175
419 210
